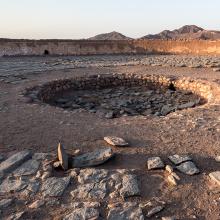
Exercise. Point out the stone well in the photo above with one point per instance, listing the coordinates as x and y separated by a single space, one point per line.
124 94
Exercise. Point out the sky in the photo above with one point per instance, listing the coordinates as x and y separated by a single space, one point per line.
77 19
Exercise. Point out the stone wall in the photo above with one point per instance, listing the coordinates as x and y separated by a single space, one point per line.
47 91
87 47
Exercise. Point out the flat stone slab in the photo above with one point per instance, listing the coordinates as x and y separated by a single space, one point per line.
43 156
12 185
30 167
129 186
188 168
116 141
90 191
85 210
178 159
154 163
92 175
93 158
127 210
14 161
54 186
215 176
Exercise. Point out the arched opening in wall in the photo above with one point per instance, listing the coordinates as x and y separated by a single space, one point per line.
46 52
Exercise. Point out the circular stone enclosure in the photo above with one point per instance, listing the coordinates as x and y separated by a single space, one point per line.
119 95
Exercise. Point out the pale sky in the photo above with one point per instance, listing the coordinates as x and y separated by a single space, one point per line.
74 19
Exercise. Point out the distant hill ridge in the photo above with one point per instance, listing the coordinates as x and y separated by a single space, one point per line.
188 32
110 36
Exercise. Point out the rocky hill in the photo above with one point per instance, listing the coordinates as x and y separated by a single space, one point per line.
185 32
110 36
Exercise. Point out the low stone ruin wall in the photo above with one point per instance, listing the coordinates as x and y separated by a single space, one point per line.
49 90
92 47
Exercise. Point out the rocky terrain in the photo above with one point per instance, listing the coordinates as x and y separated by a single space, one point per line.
187 32
110 36
122 101
16 69
129 167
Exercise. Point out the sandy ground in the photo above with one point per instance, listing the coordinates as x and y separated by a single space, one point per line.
194 131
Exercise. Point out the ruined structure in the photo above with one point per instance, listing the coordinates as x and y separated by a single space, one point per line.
9 47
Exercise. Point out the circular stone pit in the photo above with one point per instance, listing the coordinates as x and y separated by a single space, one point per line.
119 95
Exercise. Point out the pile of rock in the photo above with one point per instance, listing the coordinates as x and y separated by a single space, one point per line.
122 101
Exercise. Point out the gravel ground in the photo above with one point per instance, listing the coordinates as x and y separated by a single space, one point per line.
194 132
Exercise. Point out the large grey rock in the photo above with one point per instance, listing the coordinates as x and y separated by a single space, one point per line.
85 211
30 167
43 156
129 186
54 186
12 185
215 176
62 156
178 159
115 141
188 168
93 158
4 203
14 161
154 163
90 191
126 211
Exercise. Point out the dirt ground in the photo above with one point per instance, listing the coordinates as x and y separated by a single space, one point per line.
193 131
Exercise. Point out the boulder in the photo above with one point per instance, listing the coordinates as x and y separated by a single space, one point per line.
92 158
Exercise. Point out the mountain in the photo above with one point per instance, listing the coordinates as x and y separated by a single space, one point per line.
110 36
186 32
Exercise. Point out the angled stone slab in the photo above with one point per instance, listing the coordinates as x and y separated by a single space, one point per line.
116 141
62 156
188 168
30 167
215 176
94 158
54 186
178 159
14 161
